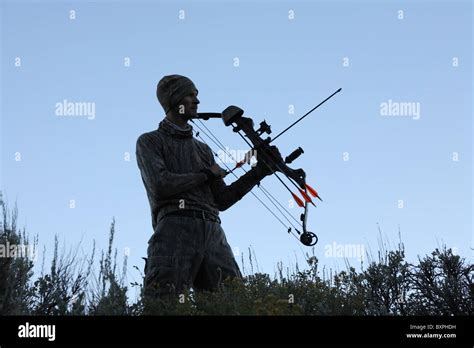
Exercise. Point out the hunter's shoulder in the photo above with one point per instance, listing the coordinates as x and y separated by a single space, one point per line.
149 138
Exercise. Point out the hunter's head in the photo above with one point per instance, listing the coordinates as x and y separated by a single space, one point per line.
178 95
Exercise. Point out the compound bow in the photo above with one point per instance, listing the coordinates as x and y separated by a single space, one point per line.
233 116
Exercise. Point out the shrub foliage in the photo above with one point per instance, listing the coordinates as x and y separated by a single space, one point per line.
439 284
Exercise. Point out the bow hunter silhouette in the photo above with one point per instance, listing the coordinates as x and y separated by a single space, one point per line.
186 191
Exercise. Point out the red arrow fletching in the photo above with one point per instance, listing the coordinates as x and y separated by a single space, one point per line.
313 192
298 200
305 196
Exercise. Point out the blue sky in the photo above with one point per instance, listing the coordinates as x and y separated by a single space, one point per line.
363 163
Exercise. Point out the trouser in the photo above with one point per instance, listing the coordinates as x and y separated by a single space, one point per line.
187 252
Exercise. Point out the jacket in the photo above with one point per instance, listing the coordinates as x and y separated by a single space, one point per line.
171 161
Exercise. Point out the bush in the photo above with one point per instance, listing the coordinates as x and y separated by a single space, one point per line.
440 284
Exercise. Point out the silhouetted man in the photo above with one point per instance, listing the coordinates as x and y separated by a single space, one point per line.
186 191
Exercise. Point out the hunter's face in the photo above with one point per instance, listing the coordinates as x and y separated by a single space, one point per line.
189 105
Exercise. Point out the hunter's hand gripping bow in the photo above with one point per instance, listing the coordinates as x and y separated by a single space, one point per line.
233 116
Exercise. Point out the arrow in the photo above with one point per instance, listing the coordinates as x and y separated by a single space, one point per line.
310 111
